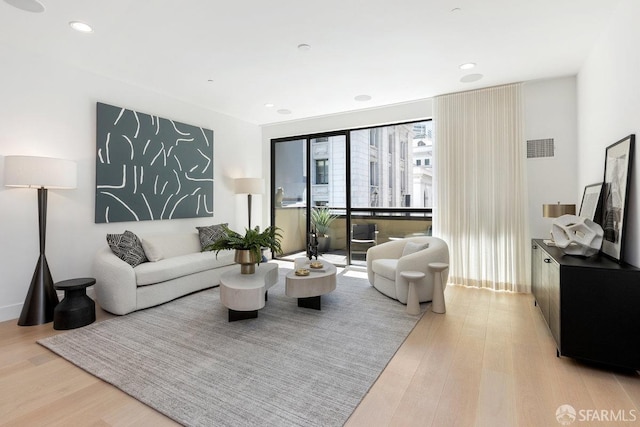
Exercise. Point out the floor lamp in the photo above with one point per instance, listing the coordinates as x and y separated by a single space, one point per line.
41 173
249 186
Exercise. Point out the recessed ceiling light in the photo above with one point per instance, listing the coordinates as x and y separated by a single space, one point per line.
81 27
455 10
471 78
467 66
209 80
362 98
284 111
269 105
304 47
33 6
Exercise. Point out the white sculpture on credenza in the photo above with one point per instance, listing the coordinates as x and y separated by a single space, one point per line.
577 235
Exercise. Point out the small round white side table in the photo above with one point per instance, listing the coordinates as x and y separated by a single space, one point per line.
413 305
437 302
245 294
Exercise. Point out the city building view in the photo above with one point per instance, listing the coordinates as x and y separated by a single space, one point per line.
391 166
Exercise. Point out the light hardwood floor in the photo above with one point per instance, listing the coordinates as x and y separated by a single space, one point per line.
489 361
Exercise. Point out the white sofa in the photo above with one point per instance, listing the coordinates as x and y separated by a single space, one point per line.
385 262
177 267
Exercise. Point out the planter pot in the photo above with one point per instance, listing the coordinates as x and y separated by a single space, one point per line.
246 260
323 243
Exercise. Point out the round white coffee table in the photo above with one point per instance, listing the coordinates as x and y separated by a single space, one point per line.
245 294
309 289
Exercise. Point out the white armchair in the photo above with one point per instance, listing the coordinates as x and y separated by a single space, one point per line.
386 261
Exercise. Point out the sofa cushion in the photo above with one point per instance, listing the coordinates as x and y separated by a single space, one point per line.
163 246
179 266
413 247
127 247
210 234
385 267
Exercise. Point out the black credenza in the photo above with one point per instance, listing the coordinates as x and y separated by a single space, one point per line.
591 305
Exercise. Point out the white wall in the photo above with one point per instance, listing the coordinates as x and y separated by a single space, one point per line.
49 109
550 112
609 108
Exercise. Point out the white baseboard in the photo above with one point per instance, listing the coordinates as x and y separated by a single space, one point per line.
12 312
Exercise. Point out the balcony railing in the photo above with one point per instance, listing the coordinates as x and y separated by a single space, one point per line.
391 223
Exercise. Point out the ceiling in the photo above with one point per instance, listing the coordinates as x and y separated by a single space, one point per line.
234 57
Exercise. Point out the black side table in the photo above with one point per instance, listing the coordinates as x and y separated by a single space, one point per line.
76 309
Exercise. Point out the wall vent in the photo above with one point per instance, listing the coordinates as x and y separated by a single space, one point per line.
540 148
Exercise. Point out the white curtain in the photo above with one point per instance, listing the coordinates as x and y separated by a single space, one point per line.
481 199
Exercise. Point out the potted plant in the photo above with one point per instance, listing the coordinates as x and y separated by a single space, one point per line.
248 247
321 219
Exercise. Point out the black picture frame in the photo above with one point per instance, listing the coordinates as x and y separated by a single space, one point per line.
615 190
591 204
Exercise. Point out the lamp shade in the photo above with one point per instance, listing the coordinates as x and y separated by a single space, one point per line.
249 185
37 172
557 210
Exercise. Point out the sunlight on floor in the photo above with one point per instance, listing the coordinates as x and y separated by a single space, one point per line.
355 272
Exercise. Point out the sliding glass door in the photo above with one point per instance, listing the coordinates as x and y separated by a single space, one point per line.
355 188
328 207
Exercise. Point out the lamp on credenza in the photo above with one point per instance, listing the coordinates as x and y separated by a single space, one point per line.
42 173
249 186
555 211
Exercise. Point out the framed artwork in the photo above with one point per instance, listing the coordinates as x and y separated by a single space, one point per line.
151 168
590 207
615 190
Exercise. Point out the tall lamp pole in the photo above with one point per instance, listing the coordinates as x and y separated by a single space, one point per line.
249 186
42 173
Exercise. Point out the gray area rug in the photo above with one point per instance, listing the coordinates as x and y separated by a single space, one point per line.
289 367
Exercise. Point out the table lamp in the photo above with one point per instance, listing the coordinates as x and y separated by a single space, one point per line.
41 173
555 211
249 186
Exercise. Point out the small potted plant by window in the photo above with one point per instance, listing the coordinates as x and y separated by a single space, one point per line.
321 219
248 247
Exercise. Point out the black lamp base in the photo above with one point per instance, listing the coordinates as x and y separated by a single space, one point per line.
41 299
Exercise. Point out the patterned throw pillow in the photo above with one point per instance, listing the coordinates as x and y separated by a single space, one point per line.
127 247
210 234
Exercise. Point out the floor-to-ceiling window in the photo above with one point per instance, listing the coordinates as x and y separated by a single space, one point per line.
375 183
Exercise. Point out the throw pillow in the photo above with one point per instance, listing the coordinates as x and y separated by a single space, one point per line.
210 234
151 251
127 247
413 247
